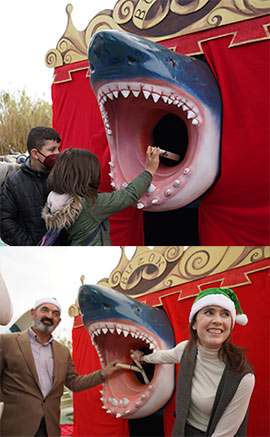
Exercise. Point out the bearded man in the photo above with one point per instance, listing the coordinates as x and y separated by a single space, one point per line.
34 368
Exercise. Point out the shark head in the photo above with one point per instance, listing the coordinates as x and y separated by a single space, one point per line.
117 324
150 95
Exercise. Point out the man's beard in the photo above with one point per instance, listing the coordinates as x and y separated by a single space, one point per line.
40 326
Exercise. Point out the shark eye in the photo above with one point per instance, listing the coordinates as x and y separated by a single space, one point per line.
92 68
172 62
106 305
137 308
131 60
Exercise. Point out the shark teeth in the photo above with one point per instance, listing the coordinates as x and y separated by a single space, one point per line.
103 328
112 91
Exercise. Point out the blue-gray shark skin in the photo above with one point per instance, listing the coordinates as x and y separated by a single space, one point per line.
117 324
140 85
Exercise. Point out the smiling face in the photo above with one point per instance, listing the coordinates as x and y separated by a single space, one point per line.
213 325
46 318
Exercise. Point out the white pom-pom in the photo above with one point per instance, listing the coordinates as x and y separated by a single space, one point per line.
241 319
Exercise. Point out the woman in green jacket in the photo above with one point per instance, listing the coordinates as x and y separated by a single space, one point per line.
76 205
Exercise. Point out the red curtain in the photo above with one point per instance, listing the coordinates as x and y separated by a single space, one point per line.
90 419
77 119
236 210
255 302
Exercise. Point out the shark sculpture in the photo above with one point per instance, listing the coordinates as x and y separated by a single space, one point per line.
117 324
148 94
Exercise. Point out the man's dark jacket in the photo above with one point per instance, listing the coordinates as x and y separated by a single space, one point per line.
21 202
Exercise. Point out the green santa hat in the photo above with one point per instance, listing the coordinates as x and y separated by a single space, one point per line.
223 297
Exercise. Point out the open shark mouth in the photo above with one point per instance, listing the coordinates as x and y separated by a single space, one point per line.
117 324
148 94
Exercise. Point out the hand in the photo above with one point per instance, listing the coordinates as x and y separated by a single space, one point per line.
152 159
110 368
136 355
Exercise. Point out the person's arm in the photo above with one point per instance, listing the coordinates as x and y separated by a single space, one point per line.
12 232
78 383
170 356
236 410
111 203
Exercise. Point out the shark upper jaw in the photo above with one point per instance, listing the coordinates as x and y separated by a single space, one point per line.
125 394
134 101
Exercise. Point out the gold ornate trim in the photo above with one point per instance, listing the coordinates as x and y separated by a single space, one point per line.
157 20
160 268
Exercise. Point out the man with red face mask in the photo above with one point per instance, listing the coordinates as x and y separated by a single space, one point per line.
25 193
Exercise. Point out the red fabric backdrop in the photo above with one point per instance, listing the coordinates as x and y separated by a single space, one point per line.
236 210
90 419
254 297
77 118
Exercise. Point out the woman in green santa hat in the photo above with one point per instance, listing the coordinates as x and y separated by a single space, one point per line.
215 380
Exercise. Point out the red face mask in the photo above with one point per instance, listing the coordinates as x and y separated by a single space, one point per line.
49 160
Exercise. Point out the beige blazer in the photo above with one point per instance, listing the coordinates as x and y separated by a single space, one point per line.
24 403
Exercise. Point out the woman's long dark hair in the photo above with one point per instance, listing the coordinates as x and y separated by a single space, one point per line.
233 356
76 172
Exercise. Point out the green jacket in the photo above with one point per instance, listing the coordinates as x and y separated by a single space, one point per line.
81 220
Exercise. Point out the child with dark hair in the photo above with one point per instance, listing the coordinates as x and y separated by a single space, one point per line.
25 192
76 205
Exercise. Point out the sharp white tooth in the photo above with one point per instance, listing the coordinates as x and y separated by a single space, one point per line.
125 333
118 331
104 330
116 93
107 125
111 175
109 132
190 114
109 412
170 101
124 184
103 406
132 334
113 184
101 391
118 415
150 387
104 99
151 188
187 170
110 95
111 164
146 93
137 404
125 93
151 346
125 401
127 411
143 397
185 108
195 122
154 201
136 336
156 97
140 205
175 102
111 330
135 93
114 402
165 99
167 192
147 341
176 183
180 104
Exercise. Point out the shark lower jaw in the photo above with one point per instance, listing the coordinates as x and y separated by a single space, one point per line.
126 394
134 116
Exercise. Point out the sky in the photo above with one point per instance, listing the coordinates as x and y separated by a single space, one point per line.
30 27
31 273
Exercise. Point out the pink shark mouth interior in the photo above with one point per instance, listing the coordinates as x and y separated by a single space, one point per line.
125 394
135 114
